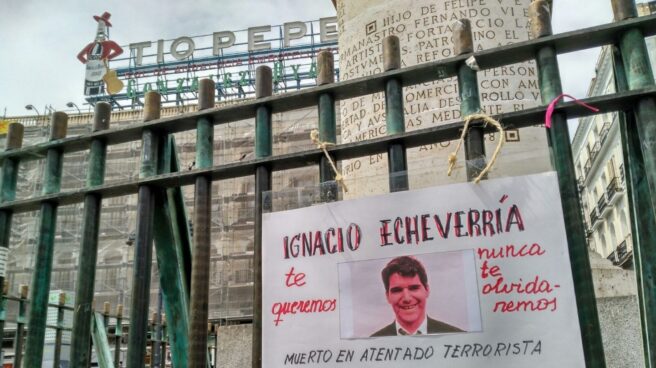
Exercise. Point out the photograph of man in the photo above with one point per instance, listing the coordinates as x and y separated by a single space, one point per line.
406 291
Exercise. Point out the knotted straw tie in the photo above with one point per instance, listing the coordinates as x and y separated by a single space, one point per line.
314 136
453 157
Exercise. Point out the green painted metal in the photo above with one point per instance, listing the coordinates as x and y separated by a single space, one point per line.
204 143
263 148
327 133
182 230
559 145
170 262
100 342
82 315
39 292
7 194
639 75
470 104
200 273
396 156
143 255
263 140
642 219
40 289
394 107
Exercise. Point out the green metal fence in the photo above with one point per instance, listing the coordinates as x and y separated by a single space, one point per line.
185 282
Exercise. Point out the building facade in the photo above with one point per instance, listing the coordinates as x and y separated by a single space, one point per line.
600 171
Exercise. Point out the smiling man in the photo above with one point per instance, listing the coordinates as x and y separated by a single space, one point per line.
406 289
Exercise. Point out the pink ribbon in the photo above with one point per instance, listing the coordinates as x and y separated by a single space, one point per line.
552 106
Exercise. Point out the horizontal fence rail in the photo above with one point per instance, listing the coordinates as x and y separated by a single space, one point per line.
442 133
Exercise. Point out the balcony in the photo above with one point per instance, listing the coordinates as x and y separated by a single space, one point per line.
602 205
587 167
594 218
580 183
595 151
612 190
622 256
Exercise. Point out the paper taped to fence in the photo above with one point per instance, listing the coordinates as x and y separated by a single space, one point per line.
462 275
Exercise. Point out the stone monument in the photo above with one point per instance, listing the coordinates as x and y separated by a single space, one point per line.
424 28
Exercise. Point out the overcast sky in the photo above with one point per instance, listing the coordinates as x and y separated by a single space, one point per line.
39 39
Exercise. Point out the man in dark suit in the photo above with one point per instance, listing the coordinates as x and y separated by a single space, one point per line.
406 289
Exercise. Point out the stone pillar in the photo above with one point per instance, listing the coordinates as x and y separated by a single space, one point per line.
425 31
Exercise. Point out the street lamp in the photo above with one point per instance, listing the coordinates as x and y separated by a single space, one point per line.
70 105
31 107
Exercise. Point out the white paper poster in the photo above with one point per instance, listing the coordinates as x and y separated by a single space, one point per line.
464 275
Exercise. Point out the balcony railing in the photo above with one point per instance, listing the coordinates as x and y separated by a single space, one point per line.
587 167
595 151
580 183
602 203
621 255
594 216
613 188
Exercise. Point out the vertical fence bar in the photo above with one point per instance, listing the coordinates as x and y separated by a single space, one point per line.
45 247
118 335
263 142
561 152
82 314
642 218
639 75
636 73
469 101
143 252
59 331
327 126
200 265
8 190
20 326
8 193
396 156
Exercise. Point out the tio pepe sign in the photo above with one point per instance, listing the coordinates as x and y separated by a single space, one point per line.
183 47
